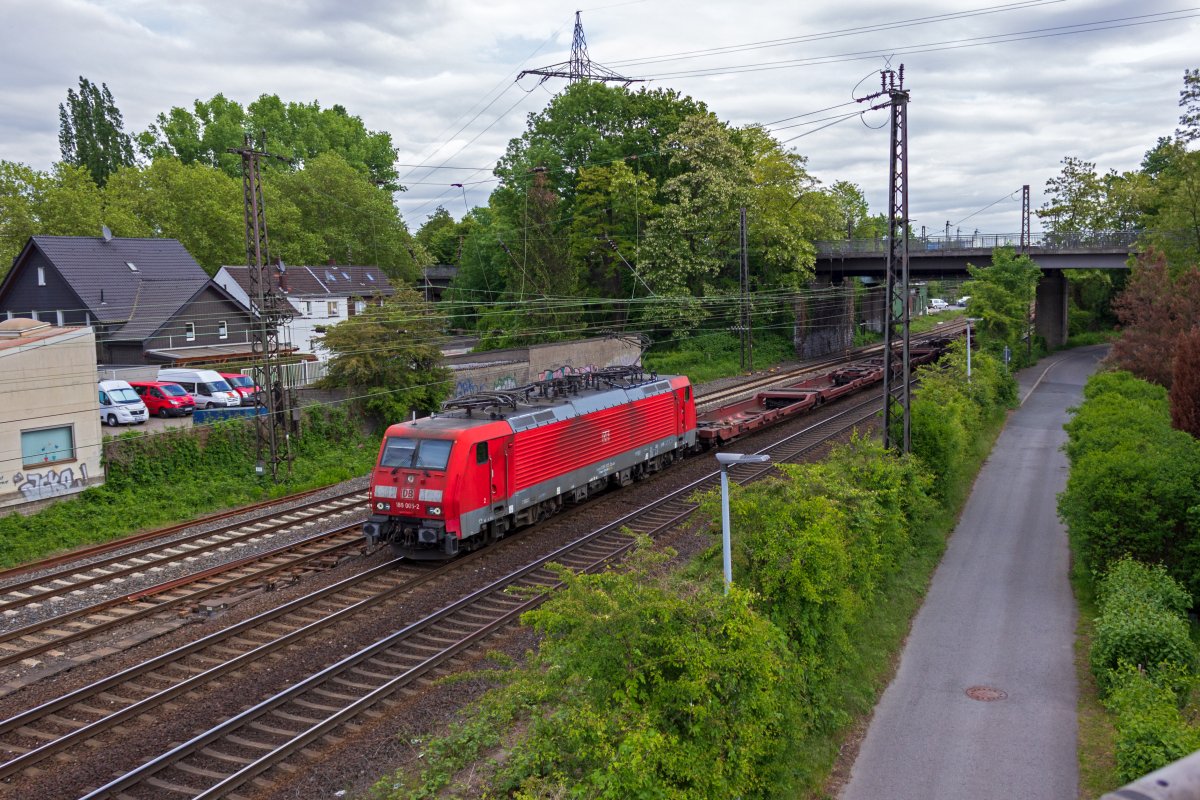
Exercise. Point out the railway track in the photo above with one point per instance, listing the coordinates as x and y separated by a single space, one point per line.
261 572
216 585
241 748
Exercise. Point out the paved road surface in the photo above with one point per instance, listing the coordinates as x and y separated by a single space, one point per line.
999 615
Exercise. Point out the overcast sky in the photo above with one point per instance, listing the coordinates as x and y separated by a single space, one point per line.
1000 93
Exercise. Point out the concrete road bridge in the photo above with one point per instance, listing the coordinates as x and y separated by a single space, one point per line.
946 257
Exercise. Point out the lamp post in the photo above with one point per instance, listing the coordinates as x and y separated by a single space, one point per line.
725 460
969 321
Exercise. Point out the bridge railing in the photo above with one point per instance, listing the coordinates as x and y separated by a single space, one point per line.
1083 240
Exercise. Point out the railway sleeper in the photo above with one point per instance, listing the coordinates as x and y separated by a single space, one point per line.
200 772
240 761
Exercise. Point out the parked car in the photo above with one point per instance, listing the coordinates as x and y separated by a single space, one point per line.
937 304
120 405
164 399
245 386
206 386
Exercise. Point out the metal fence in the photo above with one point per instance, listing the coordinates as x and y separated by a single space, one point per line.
296 375
1084 240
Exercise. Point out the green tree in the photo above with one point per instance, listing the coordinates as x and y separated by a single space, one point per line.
439 236
388 358
300 131
196 204
1001 298
330 210
1189 101
90 133
62 202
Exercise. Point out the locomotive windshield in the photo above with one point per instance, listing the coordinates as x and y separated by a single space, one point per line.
402 452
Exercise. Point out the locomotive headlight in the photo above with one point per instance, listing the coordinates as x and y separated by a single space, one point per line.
382 506
435 511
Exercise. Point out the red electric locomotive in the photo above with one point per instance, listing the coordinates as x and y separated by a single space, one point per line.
492 462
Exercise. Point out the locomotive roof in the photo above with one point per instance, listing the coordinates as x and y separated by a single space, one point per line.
537 409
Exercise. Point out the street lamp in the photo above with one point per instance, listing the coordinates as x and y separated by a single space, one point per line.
725 460
969 321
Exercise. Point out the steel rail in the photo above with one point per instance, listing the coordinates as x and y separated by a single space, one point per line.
132 607
70 580
87 551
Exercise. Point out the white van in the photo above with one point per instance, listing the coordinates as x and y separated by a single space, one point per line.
120 404
207 386
937 304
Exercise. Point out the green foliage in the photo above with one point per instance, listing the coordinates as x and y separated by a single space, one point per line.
299 131
1142 622
948 412
90 133
388 358
1151 731
815 546
707 356
1001 297
198 205
158 480
1134 485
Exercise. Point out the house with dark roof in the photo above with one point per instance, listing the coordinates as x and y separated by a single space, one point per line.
321 296
148 299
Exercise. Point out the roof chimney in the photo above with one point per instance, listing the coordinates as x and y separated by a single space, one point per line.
281 274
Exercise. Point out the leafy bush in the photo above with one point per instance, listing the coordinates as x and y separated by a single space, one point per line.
1134 485
1142 622
948 411
814 547
1151 731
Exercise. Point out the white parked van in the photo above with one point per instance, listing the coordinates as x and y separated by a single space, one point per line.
120 404
937 304
207 386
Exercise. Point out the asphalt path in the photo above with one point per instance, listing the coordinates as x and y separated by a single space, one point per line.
983 702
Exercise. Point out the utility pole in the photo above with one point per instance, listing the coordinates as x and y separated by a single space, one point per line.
744 323
1025 218
269 310
580 66
897 411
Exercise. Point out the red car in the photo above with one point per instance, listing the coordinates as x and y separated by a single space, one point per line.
164 399
243 385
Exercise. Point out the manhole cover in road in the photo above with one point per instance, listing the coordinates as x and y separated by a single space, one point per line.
986 694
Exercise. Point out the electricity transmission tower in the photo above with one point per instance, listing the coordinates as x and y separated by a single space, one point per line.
269 310
580 67
897 415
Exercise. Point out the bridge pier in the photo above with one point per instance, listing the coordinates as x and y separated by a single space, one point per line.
872 308
1050 309
824 319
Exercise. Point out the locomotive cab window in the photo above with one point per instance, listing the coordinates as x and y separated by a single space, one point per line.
405 452
481 455
433 453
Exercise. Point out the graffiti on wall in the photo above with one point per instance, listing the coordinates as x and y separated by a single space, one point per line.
563 371
471 386
51 483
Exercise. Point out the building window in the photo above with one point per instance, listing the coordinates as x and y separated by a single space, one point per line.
360 306
332 308
189 331
222 330
307 308
33 315
41 276
61 320
47 446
